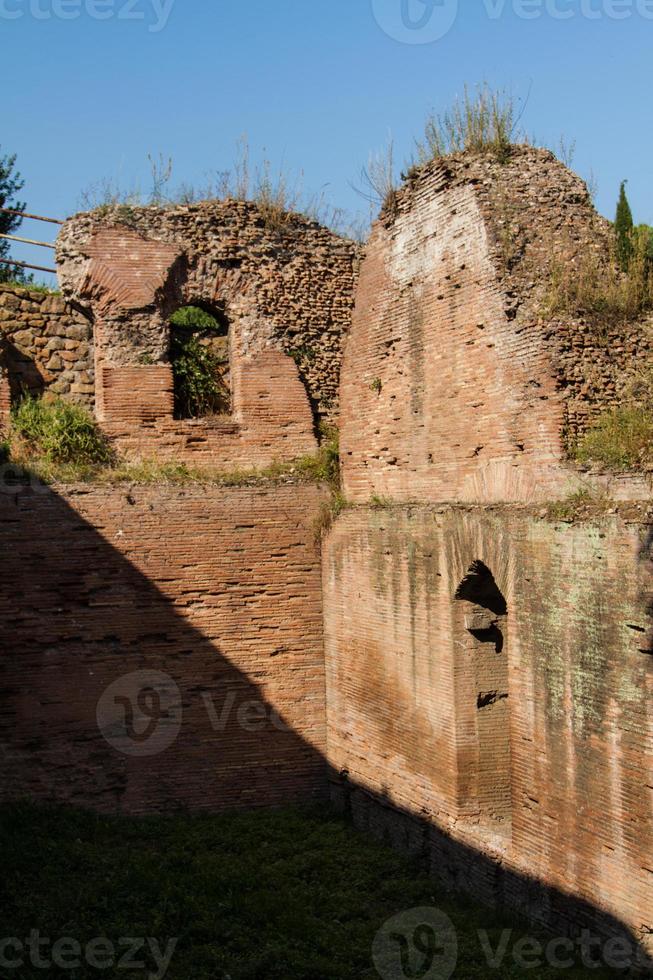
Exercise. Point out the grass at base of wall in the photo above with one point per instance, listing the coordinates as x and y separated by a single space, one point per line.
289 894
580 504
55 441
22 468
31 287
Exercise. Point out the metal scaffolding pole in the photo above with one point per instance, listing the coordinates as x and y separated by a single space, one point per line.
27 241
35 217
27 265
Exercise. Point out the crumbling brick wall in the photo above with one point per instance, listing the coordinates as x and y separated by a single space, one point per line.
505 731
218 589
413 729
457 384
542 223
46 345
286 292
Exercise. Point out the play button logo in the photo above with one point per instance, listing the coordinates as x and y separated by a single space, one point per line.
415 21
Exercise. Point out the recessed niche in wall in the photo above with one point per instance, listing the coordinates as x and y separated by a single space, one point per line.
482 672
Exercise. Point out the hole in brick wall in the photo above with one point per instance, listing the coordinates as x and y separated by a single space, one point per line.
479 587
200 358
489 634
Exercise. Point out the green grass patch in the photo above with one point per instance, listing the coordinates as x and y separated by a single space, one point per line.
59 442
31 287
586 502
595 287
59 432
308 469
621 439
268 895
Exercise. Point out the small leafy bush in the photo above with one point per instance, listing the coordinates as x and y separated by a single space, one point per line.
200 388
60 431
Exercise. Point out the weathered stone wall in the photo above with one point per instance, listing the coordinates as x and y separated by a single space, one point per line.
432 710
542 225
456 382
218 590
284 289
287 287
597 368
45 345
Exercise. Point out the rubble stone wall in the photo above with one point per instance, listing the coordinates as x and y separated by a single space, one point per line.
288 287
284 287
46 345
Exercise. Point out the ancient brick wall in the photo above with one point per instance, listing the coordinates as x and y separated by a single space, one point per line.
45 345
273 422
542 224
287 287
457 384
436 704
284 293
218 590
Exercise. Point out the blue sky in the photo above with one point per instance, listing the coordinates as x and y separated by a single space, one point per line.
318 83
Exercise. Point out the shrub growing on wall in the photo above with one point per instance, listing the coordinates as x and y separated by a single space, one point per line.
622 438
60 432
199 364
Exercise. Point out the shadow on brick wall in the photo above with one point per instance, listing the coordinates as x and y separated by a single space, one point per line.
111 699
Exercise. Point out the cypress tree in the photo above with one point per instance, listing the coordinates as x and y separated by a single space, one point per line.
623 227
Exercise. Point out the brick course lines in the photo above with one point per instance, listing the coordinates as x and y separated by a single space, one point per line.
456 382
218 588
404 723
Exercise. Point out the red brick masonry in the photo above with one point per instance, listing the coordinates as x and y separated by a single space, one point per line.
219 589
438 717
